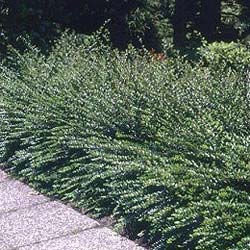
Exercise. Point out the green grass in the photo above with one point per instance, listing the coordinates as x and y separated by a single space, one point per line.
161 146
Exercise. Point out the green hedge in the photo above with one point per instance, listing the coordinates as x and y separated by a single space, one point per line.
161 146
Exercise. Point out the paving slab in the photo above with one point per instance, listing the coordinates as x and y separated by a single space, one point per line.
40 223
15 195
92 239
3 176
30 221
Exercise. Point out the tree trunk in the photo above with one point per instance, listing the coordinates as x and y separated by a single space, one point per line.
210 18
180 21
118 27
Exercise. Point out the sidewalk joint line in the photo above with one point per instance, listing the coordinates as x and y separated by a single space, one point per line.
22 208
71 233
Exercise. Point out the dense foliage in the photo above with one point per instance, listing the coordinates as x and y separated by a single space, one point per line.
163 146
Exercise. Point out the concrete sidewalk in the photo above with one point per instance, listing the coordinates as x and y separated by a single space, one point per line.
30 221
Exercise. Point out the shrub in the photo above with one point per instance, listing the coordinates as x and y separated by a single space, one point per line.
161 146
221 55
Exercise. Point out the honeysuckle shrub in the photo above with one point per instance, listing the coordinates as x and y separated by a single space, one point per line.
162 146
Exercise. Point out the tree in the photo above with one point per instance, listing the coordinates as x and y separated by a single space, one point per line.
245 17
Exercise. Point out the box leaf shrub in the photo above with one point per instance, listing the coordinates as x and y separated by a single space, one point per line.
161 146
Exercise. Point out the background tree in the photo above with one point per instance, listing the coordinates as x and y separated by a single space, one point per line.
131 21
